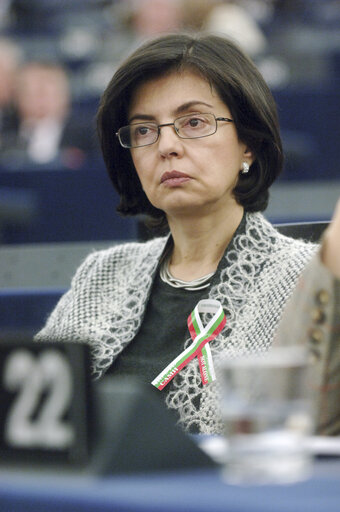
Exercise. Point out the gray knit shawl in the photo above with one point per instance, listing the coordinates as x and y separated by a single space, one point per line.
106 303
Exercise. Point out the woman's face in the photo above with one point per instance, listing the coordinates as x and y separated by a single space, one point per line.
186 176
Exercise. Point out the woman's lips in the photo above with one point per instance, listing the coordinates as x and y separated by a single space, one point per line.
174 178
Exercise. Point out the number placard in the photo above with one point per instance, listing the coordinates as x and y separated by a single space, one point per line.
45 403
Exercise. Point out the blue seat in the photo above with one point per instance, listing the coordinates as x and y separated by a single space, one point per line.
309 231
70 206
26 310
310 128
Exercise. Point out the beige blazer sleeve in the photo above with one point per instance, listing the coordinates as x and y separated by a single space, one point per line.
312 317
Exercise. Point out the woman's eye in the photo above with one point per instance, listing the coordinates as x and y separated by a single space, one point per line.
195 122
142 130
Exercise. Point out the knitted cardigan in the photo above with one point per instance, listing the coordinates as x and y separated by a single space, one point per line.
109 292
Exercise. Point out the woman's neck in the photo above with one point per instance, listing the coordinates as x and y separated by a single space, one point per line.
200 242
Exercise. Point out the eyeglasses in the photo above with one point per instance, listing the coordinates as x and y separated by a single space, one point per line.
191 126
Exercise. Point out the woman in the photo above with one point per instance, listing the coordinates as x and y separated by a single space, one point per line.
190 137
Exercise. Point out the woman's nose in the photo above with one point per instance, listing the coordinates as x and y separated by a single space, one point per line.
169 144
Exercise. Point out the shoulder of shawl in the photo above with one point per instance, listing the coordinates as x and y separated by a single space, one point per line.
263 236
134 257
259 260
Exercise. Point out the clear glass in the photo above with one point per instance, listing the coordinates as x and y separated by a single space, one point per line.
191 126
267 415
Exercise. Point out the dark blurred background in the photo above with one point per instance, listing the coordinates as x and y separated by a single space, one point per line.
57 56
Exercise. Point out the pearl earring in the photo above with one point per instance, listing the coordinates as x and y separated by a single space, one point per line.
245 168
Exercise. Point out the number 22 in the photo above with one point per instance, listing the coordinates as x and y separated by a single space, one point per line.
34 376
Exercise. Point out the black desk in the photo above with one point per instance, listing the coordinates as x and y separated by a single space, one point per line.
195 491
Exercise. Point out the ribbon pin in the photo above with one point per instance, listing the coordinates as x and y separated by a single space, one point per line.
199 347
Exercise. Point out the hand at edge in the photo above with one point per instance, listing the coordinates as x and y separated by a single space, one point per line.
330 249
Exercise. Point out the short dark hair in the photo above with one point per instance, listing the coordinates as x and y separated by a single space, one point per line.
238 83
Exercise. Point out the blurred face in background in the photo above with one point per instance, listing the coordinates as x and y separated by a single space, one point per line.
42 92
153 17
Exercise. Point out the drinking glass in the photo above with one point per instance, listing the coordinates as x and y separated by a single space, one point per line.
267 414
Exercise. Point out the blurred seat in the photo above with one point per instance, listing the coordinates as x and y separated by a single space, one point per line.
17 208
309 231
70 206
43 266
310 128
24 312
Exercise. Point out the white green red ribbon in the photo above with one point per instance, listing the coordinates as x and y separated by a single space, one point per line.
199 347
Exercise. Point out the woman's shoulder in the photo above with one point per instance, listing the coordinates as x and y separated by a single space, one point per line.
265 240
259 227
130 249
124 254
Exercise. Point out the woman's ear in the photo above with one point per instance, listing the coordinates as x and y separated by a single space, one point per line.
248 156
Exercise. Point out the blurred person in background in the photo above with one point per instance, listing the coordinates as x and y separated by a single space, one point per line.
142 19
149 18
46 132
10 59
153 17
231 19
196 12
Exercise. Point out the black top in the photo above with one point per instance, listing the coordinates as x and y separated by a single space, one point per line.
164 330
149 353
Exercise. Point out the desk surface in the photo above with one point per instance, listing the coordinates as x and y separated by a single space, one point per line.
192 491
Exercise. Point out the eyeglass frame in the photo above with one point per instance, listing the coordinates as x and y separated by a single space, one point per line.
159 126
